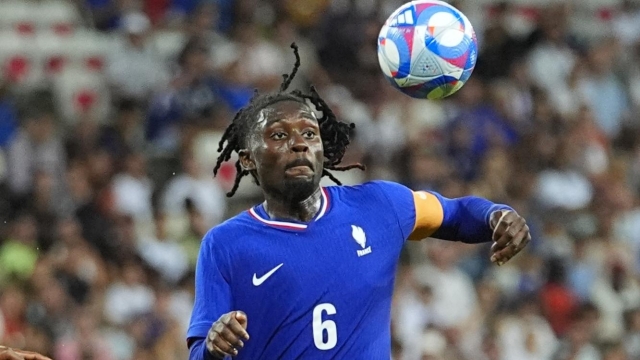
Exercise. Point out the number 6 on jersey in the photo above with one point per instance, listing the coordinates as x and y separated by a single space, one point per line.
319 327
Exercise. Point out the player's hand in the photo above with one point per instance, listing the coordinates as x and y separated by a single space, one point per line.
11 354
510 235
30 355
226 334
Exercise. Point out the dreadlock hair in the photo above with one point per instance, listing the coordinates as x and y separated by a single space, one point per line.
334 134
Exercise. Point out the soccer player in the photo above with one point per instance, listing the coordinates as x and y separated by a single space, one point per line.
313 267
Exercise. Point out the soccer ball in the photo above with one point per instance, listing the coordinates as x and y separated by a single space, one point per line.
427 49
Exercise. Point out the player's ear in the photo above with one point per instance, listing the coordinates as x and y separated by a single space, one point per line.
246 162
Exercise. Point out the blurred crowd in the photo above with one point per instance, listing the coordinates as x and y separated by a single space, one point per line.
101 216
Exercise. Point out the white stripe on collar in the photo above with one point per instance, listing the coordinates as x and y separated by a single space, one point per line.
293 225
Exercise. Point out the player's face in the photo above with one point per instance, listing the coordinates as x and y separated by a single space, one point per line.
286 151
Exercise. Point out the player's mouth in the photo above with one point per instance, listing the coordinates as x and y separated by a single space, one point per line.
299 167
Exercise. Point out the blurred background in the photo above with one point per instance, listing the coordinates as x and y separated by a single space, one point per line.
110 117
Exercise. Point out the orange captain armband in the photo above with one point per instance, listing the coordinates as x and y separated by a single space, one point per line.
429 215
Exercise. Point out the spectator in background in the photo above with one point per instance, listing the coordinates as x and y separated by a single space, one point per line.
193 98
85 341
578 343
53 308
475 334
526 334
614 293
285 34
36 147
129 296
197 185
563 186
383 136
500 48
552 60
427 170
415 313
106 15
632 79
18 253
133 69
127 133
475 127
46 204
602 91
178 11
582 273
452 288
13 307
78 265
124 241
262 62
197 228
163 254
203 22
493 173
132 189
513 96
8 116
626 24
632 337
338 43
433 346
158 333
593 142
556 299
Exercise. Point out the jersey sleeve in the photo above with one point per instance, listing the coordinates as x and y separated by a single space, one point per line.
466 219
212 290
419 214
198 351
423 214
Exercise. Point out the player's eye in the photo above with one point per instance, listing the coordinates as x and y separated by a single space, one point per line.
278 135
309 134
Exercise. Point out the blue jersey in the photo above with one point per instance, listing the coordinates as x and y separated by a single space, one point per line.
322 289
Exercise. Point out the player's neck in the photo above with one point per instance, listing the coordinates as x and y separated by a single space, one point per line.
304 210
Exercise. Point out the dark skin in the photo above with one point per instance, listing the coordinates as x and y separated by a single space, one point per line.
284 151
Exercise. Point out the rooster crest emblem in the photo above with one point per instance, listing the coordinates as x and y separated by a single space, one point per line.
361 238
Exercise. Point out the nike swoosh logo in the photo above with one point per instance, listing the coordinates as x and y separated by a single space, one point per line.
257 281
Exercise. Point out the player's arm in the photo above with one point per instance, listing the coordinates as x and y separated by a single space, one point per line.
472 220
422 214
465 219
214 331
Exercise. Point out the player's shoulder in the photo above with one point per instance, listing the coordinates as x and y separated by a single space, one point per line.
230 230
375 190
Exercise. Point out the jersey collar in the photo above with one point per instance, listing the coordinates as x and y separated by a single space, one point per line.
258 213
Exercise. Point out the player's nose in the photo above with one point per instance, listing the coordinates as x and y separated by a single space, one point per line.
298 144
